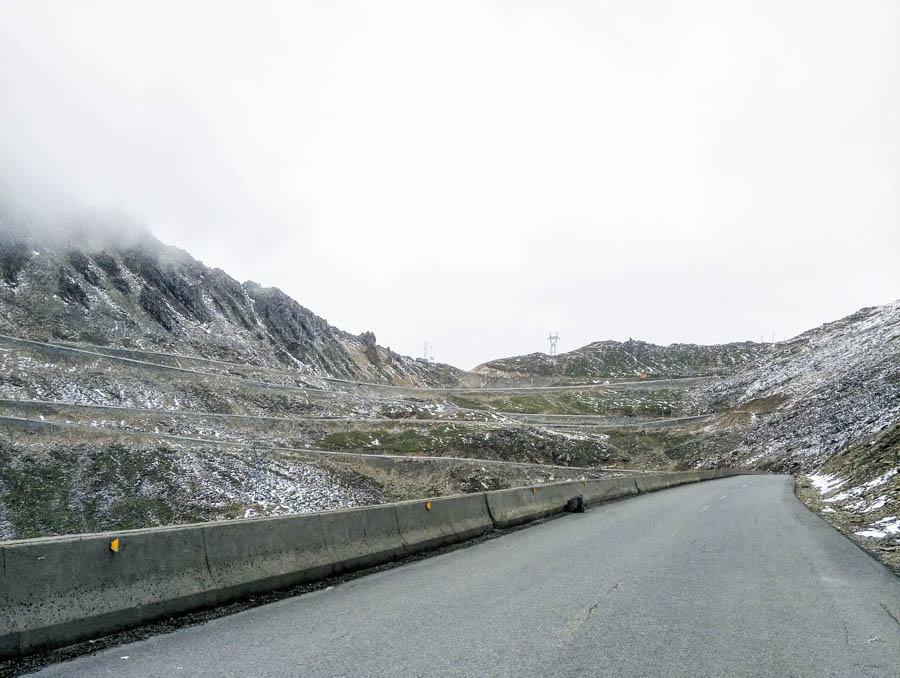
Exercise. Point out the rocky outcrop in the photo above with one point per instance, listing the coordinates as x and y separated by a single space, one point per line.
69 289
301 334
110 267
168 283
371 348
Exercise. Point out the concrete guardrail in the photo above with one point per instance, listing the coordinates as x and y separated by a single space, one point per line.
59 590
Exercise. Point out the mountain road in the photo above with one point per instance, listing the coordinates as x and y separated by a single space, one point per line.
731 577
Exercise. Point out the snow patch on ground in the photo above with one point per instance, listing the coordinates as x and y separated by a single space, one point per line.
879 503
825 483
881 528
882 479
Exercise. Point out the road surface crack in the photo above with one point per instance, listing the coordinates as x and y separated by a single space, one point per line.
569 630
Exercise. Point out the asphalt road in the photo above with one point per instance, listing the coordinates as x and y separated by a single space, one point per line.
732 577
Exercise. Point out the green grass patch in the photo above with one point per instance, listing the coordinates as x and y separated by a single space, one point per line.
468 403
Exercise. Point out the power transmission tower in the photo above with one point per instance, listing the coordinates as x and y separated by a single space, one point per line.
553 338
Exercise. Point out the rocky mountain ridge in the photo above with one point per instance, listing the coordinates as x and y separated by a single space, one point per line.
602 360
132 291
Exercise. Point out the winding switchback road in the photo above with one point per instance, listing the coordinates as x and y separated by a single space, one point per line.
732 577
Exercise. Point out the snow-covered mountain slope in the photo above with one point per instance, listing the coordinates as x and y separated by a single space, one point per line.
816 395
127 289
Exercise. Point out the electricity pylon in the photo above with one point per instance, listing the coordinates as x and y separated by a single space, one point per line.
553 338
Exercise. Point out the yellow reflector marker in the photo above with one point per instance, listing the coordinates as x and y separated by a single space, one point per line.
428 506
114 546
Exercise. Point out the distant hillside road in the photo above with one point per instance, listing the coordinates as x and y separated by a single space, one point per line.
731 577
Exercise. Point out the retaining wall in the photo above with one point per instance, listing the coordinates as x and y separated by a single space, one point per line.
59 590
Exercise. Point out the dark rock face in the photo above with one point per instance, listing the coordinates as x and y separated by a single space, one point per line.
371 348
112 270
229 298
299 331
70 290
172 287
107 264
82 264
155 306
14 256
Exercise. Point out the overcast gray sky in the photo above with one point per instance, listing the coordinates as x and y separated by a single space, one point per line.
478 174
